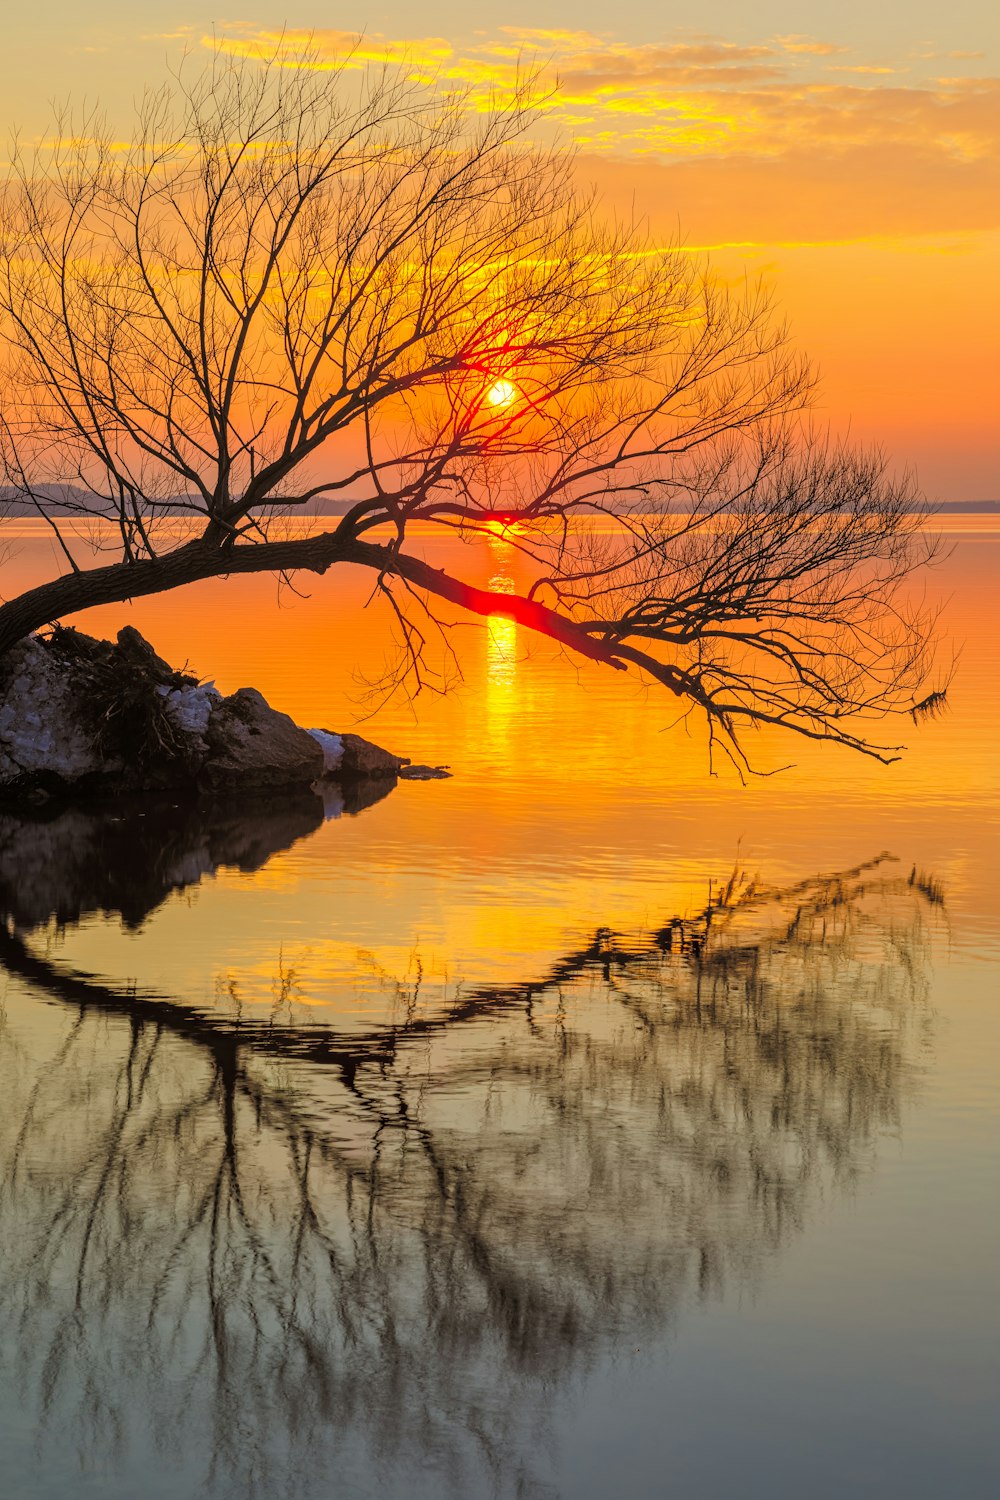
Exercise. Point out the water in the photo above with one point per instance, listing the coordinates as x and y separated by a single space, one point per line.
581 1125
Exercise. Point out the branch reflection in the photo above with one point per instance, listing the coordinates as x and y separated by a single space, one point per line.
302 1252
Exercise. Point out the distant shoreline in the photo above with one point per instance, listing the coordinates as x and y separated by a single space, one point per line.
77 509
960 508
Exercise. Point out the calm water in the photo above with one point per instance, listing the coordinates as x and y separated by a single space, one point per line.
580 1126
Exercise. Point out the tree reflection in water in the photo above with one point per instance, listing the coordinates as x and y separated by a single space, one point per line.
309 1255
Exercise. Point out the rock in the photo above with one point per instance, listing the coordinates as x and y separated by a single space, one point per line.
349 755
362 758
134 647
250 744
91 717
424 773
44 730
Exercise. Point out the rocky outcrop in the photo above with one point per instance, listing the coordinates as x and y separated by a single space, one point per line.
84 716
362 758
250 744
350 755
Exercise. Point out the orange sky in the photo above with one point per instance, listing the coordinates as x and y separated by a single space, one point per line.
849 157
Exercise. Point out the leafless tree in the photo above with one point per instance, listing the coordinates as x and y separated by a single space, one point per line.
296 286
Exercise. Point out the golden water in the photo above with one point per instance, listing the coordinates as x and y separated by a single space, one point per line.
427 1156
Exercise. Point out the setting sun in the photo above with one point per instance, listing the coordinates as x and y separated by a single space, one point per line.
501 393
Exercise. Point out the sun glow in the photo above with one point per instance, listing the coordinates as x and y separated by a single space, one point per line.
501 393
501 655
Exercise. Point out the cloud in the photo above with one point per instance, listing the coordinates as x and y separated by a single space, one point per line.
701 96
808 47
873 195
179 34
533 36
958 120
328 49
870 68
960 55
682 62
787 115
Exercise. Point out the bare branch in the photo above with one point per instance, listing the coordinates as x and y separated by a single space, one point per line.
297 286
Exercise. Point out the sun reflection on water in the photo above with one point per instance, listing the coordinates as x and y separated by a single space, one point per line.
501 669
501 643
501 652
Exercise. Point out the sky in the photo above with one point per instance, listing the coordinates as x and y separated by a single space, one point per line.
848 153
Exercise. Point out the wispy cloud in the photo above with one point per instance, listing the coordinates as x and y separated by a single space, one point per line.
809 46
951 56
334 49
179 34
700 96
533 36
872 69
789 109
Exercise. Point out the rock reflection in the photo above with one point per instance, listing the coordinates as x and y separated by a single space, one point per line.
60 864
307 1255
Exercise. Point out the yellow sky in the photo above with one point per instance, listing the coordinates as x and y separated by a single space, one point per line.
851 158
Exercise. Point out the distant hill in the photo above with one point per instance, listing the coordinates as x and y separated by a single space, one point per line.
61 495
63 498
965 508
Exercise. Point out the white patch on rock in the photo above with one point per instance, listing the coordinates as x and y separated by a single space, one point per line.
332 747
191 707
40 728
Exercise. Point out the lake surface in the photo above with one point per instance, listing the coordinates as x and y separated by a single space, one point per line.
583 1125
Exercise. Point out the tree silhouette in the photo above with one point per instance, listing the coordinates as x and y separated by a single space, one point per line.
289 287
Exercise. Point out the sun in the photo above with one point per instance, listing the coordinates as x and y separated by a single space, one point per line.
501 393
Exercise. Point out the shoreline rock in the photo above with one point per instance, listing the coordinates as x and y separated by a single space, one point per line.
250 744
81 717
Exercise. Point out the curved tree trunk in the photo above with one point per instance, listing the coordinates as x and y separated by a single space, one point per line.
201 559
598 640
121 581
